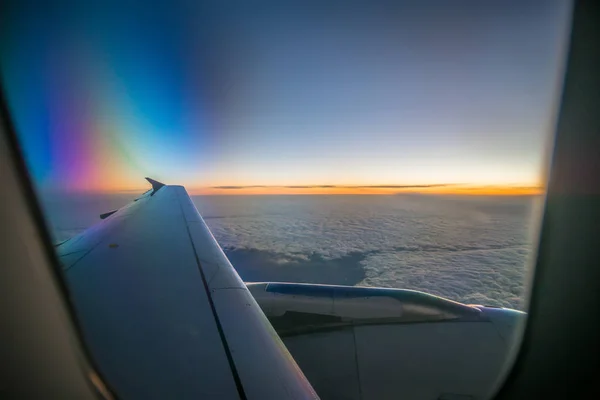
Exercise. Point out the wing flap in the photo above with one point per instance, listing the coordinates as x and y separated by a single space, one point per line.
255 346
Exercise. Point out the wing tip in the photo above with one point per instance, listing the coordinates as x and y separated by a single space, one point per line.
156 185
108 214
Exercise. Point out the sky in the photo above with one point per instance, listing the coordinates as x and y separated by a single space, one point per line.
320 96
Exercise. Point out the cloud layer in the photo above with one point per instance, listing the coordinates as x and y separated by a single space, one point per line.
473 250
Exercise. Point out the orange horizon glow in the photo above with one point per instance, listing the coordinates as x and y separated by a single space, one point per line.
362 190
462 189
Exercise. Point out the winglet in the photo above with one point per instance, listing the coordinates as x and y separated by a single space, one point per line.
108 214
156 185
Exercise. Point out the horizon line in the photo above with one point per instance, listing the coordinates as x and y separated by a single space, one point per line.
235 187
431 189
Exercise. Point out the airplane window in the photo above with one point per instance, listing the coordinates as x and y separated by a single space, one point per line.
370 174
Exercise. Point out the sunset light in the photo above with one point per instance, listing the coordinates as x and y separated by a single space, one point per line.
281 104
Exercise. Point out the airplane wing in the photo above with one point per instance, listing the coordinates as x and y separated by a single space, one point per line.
164 313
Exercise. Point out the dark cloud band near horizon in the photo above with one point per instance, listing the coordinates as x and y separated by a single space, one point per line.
440 188
338 186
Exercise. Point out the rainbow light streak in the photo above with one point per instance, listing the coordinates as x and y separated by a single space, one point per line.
99 109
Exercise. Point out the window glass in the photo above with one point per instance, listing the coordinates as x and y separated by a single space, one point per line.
380 144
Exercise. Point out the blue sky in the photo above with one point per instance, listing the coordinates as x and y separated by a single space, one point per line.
342 93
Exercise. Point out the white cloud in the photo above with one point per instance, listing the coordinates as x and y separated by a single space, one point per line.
468 249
